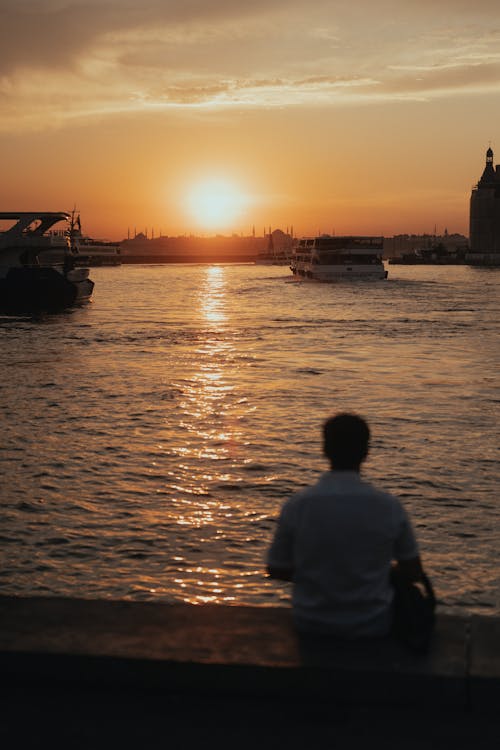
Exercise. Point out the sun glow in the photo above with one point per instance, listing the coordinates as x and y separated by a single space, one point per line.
216 204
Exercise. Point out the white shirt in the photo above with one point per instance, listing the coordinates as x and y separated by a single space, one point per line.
339 537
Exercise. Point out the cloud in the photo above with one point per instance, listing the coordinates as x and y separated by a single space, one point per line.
446 79
261 92
67 59
50 33
488 7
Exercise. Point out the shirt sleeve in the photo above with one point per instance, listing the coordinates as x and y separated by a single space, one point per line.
405 546
280 553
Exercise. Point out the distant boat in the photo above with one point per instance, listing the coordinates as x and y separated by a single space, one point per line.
86 250
436 254
331 259
28 282
91 251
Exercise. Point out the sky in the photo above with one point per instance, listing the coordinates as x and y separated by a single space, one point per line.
205 116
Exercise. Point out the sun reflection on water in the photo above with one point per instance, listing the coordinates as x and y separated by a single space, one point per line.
213 295
211 410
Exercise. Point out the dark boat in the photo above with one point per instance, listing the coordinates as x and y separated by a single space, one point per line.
27 282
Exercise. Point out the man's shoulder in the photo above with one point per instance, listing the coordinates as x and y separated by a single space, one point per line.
363 490
331 484
301 496
319 487
380 494
376 489
351 482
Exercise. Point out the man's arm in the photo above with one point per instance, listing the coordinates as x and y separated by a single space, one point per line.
410 570
408 565
280 554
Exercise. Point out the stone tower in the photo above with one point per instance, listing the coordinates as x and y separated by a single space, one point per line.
485 214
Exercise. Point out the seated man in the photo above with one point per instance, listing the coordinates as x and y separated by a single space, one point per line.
337 541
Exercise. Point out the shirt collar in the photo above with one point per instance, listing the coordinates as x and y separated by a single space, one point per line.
339 477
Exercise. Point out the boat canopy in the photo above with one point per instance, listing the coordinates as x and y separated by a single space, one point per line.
348 243
25 219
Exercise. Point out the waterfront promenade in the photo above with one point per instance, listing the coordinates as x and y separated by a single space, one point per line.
118 674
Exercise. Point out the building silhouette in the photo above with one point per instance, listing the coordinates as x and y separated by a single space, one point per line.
194 249
484 229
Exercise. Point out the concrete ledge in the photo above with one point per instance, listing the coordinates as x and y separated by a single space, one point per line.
182 633
484 664
104 674
237 651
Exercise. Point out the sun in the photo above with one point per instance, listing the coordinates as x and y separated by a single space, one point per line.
216 204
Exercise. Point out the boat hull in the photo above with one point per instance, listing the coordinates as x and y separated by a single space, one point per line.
332 274
39 288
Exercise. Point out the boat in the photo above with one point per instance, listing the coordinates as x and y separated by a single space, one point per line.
86 250
330 258
92 252
29 282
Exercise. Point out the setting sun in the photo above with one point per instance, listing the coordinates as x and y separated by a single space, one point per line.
215 204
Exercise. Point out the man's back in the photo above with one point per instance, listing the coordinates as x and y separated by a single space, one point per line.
339 537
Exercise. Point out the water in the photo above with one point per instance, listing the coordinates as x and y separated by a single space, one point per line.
149 439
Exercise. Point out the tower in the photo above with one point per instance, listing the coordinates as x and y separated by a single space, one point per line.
484 229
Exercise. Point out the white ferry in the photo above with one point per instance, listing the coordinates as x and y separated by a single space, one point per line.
87 251
327 258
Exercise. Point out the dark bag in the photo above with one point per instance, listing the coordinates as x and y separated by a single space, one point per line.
413 611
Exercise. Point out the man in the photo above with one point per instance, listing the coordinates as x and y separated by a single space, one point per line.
338 540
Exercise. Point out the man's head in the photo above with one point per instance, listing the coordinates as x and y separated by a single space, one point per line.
345 441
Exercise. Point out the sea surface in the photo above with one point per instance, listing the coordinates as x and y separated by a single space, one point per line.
149 438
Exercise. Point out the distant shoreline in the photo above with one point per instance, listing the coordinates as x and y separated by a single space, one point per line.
159 259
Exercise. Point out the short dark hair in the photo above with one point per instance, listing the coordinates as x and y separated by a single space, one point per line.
345 441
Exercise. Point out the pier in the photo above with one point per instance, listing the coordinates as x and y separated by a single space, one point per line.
119 673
